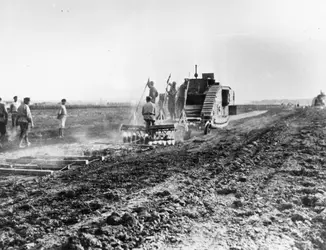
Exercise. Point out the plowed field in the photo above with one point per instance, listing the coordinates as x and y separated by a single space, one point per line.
260 183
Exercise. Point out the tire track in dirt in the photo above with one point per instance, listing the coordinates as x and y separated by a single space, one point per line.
238 182
262 213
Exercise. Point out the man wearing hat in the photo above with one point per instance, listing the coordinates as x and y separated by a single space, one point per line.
62 116
148 112
24 117
13 110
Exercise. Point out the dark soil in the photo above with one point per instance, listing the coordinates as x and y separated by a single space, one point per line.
259 184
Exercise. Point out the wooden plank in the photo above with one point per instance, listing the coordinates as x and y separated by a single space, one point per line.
48 162
20 160
25 171
5 166
47 167
62 162
24 165
63 157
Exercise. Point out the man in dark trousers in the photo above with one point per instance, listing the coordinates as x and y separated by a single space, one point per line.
62 116
13 110
3 122
171 99
24 118
148 112
181 98
152 91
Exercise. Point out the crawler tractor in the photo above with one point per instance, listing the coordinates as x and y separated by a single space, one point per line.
319 101
208 104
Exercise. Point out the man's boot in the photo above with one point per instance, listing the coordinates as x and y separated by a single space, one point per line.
60 133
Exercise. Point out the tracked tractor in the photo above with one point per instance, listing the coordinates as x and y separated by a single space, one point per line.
208 104
319 101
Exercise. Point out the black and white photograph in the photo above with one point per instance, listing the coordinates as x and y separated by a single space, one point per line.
162 124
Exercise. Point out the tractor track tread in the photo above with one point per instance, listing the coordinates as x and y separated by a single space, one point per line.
210 101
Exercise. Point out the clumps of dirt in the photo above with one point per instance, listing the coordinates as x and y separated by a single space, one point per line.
247 188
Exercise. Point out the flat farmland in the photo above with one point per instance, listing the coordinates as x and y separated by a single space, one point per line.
81 123
257 184
87 129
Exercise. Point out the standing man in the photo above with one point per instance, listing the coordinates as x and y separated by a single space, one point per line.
13 110
148 112
152 91
62 116
181 97
3 122
171 99
24 117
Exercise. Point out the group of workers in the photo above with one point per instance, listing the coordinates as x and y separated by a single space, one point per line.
21 116
175 99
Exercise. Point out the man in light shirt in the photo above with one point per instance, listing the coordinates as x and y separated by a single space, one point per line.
148 112
62 116
14 111
24 118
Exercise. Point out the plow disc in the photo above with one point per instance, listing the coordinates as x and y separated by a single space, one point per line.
155 135
133 134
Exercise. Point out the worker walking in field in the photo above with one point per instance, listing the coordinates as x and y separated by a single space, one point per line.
3 122
24 118
62 116
148 113
181 98
14 111
171 99
152 91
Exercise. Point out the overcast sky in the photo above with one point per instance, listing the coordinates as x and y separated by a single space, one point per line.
88 50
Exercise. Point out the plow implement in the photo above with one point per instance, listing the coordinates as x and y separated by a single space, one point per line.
162 134
133 133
